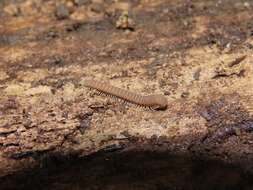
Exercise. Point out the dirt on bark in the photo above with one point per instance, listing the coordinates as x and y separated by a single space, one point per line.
197 53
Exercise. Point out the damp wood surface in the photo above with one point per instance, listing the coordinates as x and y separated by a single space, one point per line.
197 54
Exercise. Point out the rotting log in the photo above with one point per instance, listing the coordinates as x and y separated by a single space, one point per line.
198 55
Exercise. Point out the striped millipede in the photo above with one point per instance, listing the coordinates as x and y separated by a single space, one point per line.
156 101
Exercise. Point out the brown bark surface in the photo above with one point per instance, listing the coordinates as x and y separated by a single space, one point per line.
197 53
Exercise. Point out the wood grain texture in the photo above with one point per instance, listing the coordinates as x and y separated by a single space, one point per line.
156 101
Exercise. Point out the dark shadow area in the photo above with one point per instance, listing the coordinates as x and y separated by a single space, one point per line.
130 170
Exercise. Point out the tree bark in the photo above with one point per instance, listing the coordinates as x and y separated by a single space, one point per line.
200 60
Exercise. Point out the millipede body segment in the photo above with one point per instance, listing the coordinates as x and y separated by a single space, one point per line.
156 101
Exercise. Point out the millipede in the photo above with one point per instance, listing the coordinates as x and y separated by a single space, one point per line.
153 101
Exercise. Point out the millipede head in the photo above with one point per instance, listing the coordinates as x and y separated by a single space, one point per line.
159 102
